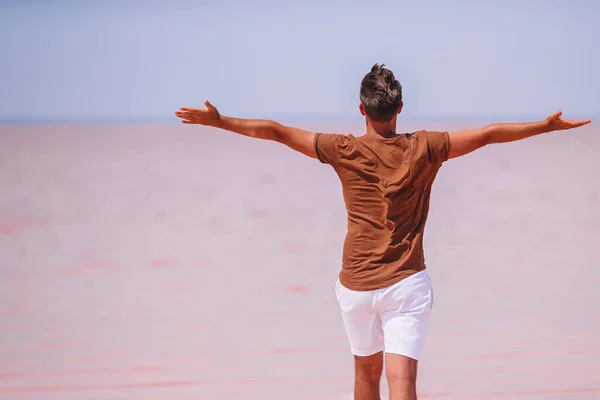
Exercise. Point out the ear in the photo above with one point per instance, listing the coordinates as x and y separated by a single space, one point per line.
400 108
362 109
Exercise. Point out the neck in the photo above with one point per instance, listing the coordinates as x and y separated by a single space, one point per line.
382 128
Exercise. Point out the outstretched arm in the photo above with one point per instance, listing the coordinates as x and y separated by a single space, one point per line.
466 141
297 139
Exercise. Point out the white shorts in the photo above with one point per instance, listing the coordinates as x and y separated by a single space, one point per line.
393 319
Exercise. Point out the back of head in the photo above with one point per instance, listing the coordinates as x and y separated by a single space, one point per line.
380 94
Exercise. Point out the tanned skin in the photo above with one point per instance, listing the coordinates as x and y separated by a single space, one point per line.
461 142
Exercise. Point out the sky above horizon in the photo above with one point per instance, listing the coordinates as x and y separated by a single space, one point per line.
141 60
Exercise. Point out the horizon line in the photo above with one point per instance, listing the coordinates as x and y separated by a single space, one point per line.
298 119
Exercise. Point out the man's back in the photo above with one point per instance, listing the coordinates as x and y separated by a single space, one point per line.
386 184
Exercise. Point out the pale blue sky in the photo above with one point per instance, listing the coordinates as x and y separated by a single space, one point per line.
141 60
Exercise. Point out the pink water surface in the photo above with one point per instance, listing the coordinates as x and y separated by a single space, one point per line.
171 262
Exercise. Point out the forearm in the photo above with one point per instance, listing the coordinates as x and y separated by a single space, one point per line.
295 138
466 141
510 132
255 128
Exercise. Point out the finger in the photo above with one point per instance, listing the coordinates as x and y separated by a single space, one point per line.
190 114
582 123
187 121
555 116
192 109
576 123
209 106
184 116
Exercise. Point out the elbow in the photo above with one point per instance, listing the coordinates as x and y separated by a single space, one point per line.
267 130
487 135
274 131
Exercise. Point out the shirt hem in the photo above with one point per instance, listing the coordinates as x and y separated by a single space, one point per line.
382 285
316 146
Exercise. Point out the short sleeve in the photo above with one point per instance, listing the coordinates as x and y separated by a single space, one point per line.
438 146
329 147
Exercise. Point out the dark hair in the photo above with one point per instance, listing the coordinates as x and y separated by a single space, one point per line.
380 93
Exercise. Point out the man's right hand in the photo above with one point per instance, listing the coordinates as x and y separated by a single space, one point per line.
555 122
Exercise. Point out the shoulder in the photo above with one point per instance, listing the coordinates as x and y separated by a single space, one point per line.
435 144
330 146
427 136
334 137
424 134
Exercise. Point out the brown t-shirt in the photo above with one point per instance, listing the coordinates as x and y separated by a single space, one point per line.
386 184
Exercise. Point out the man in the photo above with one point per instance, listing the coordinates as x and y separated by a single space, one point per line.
383 289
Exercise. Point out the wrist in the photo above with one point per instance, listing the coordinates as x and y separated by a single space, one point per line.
543 126
219 122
